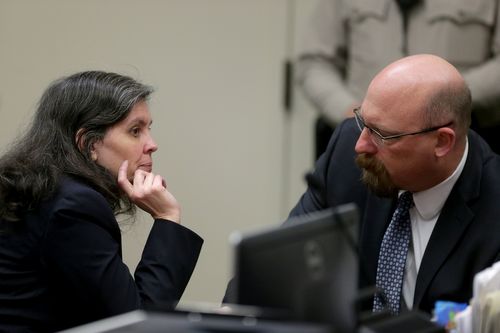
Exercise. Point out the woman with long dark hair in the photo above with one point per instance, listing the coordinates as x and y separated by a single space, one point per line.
86 158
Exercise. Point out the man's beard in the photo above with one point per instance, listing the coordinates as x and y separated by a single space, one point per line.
375 176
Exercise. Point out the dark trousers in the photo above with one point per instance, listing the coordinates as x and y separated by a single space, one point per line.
322 133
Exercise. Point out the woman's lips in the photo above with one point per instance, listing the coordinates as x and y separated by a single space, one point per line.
148 167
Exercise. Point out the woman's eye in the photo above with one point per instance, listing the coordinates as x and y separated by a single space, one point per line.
135 131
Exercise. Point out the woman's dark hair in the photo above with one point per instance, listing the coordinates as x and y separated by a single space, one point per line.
73 113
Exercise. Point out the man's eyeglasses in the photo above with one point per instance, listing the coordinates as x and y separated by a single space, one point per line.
380 139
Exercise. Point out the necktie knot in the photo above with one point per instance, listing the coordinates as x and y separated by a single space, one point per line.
405 200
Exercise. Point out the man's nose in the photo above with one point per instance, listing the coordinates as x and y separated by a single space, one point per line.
365 144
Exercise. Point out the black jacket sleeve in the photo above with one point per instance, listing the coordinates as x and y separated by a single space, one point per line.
84 267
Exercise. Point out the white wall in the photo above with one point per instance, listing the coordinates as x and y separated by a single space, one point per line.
229 154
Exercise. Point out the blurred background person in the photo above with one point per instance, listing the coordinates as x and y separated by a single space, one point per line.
86 158
347 42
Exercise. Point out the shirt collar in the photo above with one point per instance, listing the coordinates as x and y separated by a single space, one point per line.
430 202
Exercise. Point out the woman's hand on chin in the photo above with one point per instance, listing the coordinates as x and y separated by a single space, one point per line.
149 192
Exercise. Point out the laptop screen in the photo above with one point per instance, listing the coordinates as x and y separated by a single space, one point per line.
307 267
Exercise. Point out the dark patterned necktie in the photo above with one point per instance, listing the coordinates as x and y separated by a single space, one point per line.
392 256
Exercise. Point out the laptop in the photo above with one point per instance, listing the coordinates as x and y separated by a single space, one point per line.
304 270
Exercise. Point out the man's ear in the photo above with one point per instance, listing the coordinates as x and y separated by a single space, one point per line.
446 139
80 143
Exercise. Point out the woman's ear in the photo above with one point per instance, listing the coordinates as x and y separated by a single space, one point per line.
79 139
446 139
80 143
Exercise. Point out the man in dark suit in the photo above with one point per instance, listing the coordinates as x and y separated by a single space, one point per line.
411 134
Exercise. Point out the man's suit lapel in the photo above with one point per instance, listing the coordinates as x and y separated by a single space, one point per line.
378 212
452 223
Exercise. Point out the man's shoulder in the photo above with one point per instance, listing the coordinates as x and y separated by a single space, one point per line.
481 152
344 138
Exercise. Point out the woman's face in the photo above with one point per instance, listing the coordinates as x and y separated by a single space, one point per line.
129 139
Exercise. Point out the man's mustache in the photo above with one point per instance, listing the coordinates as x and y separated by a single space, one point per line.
375 176
369 163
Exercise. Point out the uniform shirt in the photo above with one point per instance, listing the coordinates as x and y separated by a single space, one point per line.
347 42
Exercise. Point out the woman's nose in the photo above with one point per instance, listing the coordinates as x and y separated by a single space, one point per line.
151 145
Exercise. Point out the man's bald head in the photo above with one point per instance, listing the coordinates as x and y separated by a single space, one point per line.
428 82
